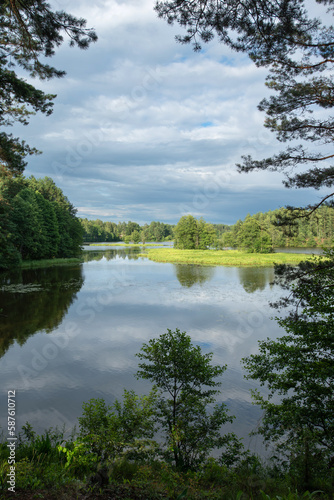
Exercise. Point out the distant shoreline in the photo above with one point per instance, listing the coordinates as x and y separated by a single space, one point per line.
174 256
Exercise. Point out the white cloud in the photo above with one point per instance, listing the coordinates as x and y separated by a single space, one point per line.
142 126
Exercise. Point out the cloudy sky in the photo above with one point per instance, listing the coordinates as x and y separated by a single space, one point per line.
145 129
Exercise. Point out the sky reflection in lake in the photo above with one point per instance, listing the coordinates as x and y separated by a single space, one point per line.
117 302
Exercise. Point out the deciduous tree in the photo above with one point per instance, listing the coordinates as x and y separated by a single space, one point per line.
135 236
191 233
185 233
185 379
124 429
253 237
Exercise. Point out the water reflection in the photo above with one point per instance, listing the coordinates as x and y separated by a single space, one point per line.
189 274
124 302
35 299
253 279
120 253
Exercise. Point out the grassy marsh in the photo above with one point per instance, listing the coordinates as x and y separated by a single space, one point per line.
223 257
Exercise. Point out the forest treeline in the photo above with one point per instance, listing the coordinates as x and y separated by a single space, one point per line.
37 221
260 231
98 231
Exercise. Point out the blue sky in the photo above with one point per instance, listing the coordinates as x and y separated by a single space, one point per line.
145 129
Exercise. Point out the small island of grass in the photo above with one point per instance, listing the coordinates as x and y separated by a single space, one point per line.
223 257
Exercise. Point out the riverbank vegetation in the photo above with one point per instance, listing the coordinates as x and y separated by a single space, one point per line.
54 466
37 222
259 233
222 257
159 446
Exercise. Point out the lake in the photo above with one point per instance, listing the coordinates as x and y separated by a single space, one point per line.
70 333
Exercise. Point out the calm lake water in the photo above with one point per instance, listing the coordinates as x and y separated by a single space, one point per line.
68 334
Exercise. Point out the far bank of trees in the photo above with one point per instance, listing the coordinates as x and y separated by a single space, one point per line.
256 233
99 231
259 232
37 221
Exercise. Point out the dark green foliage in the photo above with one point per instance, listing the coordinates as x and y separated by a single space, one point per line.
124 470
299 366
12 152
157 231
185 233
233 454
121 430
36 220
53 466
254 237
274 20
38 461
49 235
30 31
280 228
28 221
184 377
70 232
9 254
191 233
135 236
33 445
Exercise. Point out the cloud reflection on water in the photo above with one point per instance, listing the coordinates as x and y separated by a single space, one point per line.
122 303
